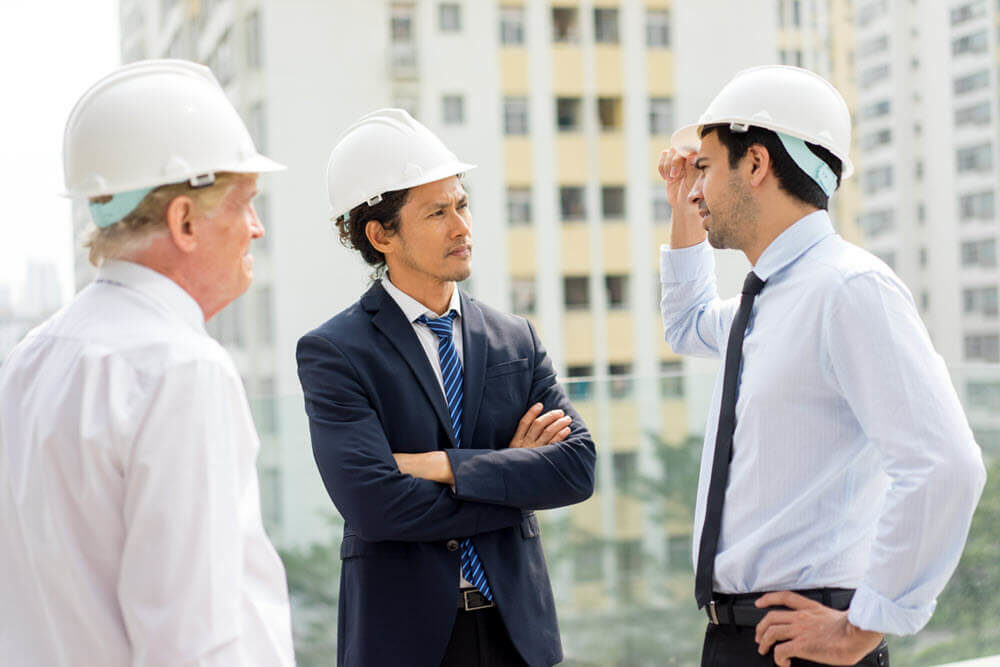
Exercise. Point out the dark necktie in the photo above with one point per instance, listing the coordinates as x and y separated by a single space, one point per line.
705 573
451 378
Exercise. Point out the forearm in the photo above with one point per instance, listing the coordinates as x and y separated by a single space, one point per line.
694 317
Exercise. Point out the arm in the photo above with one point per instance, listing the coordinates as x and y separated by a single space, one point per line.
357 466
898 388
180 585
552 475
695 320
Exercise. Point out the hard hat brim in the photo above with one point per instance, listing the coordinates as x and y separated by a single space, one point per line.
442 172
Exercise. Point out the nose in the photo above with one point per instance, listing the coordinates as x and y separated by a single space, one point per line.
461 224
696 194
256 226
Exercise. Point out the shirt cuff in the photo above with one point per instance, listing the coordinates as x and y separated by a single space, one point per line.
873 612
686 264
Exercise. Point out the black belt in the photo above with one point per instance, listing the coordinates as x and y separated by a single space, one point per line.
470 599
740 610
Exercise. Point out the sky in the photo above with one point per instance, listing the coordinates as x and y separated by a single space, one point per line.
51 51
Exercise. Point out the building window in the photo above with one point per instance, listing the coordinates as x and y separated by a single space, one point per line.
606 25
255 58
875 139
580 382
980 300
970 82
977 114
511 25
518 206
967 12
671 379
515 115
616 288
407 100
661 115
974 43
975 158
629 555
609 113
661 207
266 414
657 28
576 293
401 23
874 75
876 109
265 316
626 467
613 202
522 296
793 57
620 380
450 17
225 65
257 125
981 253
875 223
565 25
982 348
877 179
976 206
589 561
983 395
872 46
868 12
571 204
568 114
453 109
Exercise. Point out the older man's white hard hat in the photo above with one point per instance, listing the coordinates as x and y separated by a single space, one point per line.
385 150
152 123
785 99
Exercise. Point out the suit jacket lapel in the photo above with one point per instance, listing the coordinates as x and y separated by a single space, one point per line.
389 319
474 365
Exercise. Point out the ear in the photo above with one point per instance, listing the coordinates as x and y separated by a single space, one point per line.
378 236
760 163
180 223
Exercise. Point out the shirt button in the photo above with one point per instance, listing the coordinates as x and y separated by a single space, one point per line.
452 545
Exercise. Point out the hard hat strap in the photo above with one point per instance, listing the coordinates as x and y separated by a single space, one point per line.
120 205
809 162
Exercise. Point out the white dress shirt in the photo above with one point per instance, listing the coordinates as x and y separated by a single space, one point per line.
130 520
853 464
412 310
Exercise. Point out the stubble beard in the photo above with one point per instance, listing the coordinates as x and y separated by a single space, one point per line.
734 221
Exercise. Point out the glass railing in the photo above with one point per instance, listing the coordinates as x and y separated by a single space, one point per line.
620 562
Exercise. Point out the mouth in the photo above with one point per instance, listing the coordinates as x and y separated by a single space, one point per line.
705 215
462 252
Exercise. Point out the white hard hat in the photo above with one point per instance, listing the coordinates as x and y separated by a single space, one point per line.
152 123
788 100
385 150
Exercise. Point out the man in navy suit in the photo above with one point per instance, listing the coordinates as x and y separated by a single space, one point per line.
437 424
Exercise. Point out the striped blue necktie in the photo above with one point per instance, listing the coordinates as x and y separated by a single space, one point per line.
451 377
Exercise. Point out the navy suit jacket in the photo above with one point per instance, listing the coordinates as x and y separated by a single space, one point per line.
370 392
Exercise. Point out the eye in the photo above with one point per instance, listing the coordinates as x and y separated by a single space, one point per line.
464 204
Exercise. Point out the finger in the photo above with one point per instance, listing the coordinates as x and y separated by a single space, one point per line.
786 599
676 166
774 618
540 423
529 416
775 634
561 435
553 428
664 164
785 651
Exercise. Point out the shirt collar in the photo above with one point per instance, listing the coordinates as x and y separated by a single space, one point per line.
793 243
412 308
156 287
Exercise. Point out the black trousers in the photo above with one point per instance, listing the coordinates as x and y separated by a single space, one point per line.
480 639
735 646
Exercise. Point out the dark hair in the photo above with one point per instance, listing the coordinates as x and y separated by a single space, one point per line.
352 226
790 177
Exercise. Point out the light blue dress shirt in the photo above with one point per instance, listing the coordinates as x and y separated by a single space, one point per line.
853 463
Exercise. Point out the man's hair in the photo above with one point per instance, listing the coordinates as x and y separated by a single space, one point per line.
352 226
790 177
149 219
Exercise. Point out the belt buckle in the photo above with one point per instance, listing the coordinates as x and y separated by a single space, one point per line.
713 616
473 606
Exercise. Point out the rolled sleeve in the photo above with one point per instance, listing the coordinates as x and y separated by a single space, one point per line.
686 264
877 613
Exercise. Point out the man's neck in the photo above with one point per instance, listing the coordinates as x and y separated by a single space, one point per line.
435 295
778 219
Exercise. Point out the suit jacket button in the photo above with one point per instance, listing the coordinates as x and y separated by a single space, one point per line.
452 545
